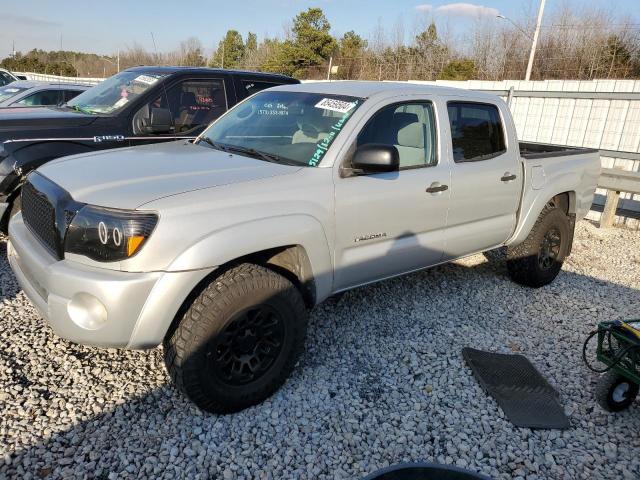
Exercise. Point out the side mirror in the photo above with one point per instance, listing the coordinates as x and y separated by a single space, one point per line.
161 121
376 158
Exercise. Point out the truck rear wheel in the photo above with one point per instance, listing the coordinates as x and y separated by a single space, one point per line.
239 339
537 261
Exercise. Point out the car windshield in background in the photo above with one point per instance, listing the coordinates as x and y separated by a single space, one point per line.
9 91
287 127
114 93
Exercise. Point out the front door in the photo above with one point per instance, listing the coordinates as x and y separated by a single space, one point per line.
391 223
193 105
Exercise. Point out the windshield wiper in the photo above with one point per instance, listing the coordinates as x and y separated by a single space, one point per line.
216 145
269 157
252 152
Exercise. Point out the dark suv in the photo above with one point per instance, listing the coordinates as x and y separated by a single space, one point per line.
136 106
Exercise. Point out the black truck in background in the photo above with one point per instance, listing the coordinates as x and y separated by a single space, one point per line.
136 106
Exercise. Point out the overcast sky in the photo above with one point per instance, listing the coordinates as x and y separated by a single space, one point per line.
104 27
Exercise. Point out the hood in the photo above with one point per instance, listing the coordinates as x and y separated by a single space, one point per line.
131 177
29 121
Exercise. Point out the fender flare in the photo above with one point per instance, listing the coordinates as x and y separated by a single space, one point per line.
537 199
253 237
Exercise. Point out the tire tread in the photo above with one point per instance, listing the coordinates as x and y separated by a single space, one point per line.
522 259
205 310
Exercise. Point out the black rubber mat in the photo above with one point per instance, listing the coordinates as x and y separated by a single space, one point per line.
524 395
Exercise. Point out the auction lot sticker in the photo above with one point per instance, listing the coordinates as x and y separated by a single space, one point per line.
335 105
147 79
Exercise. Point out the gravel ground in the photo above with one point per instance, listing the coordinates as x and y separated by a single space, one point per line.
382 382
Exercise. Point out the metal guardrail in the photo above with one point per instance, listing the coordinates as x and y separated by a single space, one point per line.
616 181
620 180
565 94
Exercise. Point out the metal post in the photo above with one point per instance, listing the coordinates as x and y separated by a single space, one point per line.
329 70
510 96
532 54
609 211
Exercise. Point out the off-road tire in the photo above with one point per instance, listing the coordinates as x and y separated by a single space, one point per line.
523 262
191 347
607 386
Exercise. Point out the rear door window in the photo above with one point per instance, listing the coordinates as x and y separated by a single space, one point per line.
476 131
41 98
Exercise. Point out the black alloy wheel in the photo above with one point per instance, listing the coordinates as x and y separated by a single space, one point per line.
249 345
550 249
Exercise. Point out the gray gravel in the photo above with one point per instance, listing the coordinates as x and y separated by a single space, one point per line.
382 382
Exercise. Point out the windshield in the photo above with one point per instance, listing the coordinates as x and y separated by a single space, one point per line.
115 92
288 127
9 91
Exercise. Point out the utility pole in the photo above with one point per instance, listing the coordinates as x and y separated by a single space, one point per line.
535 41
118 60
329 70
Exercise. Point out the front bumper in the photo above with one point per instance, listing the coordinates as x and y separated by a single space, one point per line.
97 306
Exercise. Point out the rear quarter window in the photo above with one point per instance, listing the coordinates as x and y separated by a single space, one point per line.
254 86
477 132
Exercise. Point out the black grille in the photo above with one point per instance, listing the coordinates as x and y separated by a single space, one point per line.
40 216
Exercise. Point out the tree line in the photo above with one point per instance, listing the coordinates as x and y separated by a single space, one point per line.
573 45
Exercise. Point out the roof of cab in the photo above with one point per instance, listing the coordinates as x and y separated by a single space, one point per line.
169 70
25 84
365 89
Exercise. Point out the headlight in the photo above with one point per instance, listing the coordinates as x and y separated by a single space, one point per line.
108 235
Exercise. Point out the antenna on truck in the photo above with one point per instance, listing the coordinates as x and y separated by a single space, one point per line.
155 48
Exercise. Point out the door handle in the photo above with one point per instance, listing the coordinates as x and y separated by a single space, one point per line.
436 187
508 177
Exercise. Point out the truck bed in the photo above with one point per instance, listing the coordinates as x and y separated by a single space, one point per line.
532 150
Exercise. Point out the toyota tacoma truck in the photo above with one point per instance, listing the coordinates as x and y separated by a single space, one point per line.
136 106
217 248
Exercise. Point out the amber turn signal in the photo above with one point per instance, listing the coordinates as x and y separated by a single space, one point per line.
132 244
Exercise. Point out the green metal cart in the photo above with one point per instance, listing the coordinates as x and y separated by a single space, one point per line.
619 349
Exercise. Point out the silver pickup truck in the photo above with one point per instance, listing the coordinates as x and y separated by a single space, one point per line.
217 248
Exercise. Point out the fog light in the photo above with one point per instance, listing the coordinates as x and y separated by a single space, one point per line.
87 311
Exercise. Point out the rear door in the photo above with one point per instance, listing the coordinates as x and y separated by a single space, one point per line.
485 177
391 223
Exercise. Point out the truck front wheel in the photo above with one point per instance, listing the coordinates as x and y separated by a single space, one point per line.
537 261
239 339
